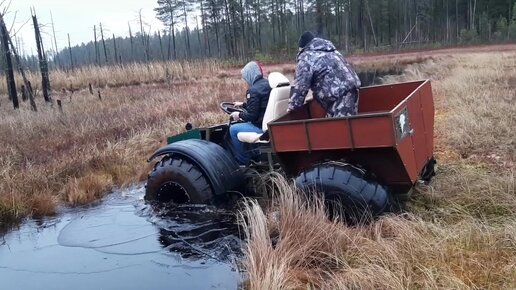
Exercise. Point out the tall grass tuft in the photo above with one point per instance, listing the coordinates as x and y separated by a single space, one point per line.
457 233
293 245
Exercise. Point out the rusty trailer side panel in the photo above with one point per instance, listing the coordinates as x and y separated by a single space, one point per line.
392 136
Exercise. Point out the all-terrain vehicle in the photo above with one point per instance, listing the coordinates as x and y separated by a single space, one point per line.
358 161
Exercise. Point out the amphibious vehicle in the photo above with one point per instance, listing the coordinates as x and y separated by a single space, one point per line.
359 162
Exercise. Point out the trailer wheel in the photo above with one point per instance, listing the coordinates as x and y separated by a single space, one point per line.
179 181
347 191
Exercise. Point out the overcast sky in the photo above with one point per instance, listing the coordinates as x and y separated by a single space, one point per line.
77 18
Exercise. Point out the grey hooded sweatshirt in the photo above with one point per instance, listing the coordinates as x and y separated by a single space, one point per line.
257 95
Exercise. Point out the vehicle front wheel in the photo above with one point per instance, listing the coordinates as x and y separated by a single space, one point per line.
177 180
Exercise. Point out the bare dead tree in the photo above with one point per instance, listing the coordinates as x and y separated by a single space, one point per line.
144 38
371 22
114 47
56 49
70 51
204 30
27 87
161 47
97 54
132 42
202 49
103 43
43 65
11 84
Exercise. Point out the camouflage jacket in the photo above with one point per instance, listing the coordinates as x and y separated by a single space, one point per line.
321 68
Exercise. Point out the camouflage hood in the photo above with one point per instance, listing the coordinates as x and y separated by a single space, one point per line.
318 44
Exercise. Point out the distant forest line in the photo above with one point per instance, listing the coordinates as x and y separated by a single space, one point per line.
269 29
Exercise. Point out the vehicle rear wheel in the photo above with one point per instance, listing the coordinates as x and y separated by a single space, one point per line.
179 181
347 191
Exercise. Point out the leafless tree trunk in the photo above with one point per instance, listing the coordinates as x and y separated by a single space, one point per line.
202 49
142 31
27 88
103 43
371 22
161 47
114 47
9 75
97 53
205 30
457 18
55 41
43 65
188 50
131 40
70 51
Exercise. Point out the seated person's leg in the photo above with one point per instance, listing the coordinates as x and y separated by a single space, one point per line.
241 155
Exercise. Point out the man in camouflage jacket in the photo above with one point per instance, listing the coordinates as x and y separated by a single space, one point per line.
321 68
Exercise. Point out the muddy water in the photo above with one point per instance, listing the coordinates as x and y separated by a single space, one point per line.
367 77
375 77
122 243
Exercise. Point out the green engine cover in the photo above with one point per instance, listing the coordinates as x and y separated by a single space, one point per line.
192 134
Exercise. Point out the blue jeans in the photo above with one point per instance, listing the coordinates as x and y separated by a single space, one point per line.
242 156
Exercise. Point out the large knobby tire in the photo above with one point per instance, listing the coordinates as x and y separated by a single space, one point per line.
347 191
179 181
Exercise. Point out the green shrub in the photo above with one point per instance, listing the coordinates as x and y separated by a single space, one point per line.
468 36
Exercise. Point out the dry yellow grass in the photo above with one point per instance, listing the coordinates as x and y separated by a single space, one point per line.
395 252
47 157
129 74
76 157
458 233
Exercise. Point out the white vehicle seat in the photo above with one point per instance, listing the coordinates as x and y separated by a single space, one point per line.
276 107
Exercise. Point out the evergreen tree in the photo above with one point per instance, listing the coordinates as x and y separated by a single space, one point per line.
245 29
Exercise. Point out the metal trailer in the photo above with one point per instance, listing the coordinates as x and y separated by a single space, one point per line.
392 135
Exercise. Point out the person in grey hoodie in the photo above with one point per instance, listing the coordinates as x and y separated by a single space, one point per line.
254 109
333 81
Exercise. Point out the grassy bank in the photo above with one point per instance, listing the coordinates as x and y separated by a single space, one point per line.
123 75
458 233
50 158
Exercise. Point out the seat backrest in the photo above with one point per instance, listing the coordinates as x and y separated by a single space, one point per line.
278 99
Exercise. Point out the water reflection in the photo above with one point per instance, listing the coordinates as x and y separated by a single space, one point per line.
122 243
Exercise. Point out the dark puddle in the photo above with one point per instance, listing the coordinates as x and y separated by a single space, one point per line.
374 77
369 77
122 243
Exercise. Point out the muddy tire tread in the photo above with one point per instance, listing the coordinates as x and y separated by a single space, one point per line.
360 194
185 173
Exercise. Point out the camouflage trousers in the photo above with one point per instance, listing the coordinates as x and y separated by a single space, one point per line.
344 106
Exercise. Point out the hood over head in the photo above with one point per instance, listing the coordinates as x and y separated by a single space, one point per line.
319 44
251 72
